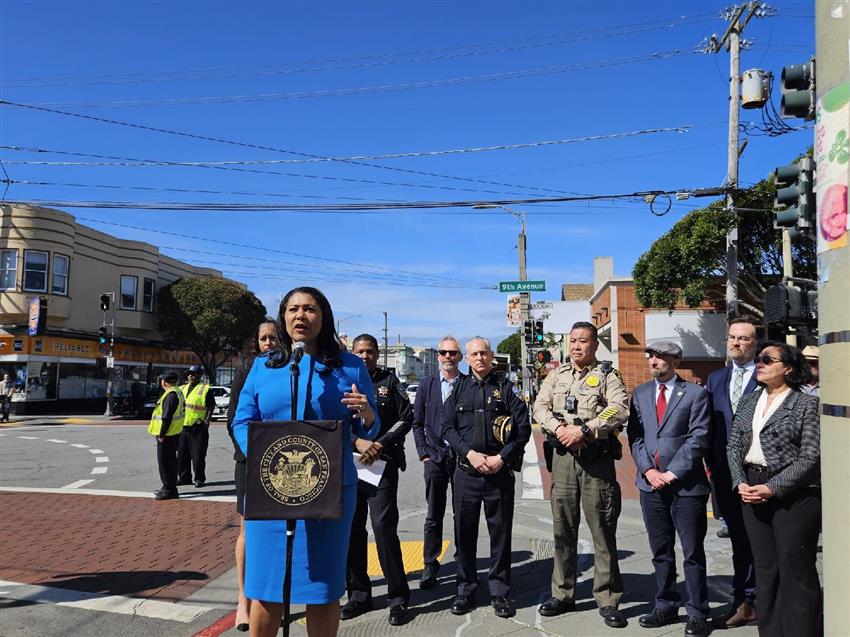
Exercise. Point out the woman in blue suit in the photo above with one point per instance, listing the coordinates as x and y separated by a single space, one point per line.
333 385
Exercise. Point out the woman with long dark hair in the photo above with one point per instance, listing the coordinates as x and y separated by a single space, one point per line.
774 460
333 385
265 342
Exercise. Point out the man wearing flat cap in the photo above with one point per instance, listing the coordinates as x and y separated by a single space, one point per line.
195 439
812 356
668 432
167 424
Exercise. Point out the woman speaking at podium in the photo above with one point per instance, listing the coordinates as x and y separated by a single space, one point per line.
333 385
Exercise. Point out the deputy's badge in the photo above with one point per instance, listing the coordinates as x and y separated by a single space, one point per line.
608 413
294 470
383 391
497 394
592 381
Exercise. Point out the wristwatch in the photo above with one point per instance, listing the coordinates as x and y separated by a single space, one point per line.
585 430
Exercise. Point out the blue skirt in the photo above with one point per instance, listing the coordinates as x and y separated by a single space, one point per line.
319 556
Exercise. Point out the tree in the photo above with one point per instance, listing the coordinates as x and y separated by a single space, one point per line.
511 346
688 263
210 316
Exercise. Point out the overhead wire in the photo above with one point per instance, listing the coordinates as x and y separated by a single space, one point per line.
461 51
384 88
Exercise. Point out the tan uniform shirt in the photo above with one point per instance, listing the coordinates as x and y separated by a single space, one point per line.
602 399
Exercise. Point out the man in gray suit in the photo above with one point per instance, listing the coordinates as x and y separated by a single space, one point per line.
668 432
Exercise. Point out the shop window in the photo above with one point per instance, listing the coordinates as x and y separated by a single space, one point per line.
61 264
81 380
41 381
129 284
35 271
8 269
148 294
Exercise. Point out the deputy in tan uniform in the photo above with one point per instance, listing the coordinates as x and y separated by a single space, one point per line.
583 405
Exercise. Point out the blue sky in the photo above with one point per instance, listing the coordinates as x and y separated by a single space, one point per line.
428 76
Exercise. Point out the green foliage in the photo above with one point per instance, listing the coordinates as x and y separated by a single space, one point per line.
210 316
688 263
511 346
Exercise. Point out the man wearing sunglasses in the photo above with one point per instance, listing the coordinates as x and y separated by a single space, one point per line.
434 453
668 431
725 388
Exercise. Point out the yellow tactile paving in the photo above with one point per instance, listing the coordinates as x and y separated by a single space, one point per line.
411 554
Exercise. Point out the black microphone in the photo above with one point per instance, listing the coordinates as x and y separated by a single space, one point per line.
297 353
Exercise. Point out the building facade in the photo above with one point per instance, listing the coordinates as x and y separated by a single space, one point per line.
45 254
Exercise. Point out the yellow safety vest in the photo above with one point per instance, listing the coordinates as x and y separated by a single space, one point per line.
176 425
196 403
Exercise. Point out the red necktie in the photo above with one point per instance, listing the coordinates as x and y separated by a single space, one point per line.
660 408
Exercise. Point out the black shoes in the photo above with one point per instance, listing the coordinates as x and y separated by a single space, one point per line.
199 483
354 609
554 606
399 615
429 575
723 532
657 619
462 605
165 495
613 617
696 627
502 607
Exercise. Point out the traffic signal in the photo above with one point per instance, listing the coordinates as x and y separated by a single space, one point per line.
538 333
104 302
798 91
794 201
101 335
528 333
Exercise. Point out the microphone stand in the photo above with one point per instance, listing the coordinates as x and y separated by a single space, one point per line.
294 372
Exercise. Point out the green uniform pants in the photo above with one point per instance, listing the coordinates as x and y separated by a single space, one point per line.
592 485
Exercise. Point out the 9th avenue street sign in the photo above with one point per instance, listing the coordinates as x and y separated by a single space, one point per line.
522 286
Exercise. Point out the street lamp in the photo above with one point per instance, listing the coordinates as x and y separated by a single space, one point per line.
525 298
345 318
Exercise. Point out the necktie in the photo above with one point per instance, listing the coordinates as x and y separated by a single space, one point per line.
737 388
479 435
660 408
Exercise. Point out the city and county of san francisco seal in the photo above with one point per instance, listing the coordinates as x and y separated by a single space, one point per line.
294 470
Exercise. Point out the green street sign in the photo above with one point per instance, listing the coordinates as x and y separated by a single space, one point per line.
522 286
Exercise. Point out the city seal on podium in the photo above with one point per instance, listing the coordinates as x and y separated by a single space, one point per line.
294 470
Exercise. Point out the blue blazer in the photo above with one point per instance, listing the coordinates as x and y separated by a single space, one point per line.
681 439
721 412
428 419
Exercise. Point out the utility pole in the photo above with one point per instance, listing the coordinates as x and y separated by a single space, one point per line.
525 304
832 24
732 41
386 341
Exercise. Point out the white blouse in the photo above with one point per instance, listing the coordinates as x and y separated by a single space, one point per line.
763 412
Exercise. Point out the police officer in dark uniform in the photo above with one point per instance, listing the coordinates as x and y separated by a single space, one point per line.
487 426
396 417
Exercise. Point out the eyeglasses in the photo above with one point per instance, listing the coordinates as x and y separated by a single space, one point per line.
449 352
764 359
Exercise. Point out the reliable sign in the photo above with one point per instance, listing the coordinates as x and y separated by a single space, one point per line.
522 286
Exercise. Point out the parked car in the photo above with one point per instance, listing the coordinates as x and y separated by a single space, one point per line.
222 400
411 392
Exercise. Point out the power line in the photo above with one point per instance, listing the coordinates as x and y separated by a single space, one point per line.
684 128
385 88
442 54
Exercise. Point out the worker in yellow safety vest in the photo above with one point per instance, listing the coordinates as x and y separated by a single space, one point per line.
192 453
167 424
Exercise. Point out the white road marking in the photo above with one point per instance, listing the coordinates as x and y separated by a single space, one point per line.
155 609
119 494
28 437
77 484
464 625
57 440
97 470
80 446
95 451
102 459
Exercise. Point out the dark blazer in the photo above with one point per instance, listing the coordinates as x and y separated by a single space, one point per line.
790 441
721 412
681 439
428 419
